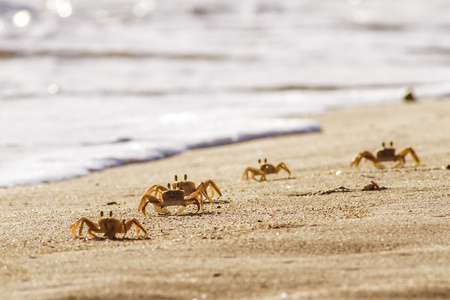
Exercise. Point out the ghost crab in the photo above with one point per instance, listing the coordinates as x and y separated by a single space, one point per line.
264 169
109 226
386 154
178 194
188 187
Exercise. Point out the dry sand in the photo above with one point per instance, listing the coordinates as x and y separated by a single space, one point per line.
260 240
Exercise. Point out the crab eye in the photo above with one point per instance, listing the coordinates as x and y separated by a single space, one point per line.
101 214
176 178
392 143
185 177
110 213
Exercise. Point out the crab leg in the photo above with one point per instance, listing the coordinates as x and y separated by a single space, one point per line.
200 205
245 175
156 190
201 193
128 224
254 172
196 197
283 166
407 150
143 203
212 185
92 227
401 161
157 204
366 155
182 207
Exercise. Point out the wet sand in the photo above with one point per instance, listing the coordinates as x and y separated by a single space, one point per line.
285 238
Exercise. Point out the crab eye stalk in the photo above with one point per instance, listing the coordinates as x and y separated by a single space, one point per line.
101 214
110 213
383 145
265 160
392 144
168 185
259 161
176 178
185 177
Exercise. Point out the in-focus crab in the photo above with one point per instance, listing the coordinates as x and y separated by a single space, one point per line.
109 226
188 187
386 154
172 197
264 169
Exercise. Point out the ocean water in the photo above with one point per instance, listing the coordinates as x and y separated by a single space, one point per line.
86 85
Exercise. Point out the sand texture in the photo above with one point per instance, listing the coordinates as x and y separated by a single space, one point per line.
285 238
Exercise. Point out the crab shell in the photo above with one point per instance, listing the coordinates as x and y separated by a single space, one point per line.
386 154
177 197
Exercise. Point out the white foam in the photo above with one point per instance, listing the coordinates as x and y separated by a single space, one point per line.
64 137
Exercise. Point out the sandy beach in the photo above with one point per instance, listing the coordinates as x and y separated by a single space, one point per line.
285 238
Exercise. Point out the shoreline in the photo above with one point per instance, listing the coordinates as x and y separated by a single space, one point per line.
312 128
260 240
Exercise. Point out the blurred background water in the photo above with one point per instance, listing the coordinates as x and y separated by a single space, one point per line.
90 84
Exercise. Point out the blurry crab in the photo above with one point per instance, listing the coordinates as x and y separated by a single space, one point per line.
172 196
109 226
264 169
188 187
386 154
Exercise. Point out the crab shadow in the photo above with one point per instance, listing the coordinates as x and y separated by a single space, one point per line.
273 179
283 179
119 239
221 202
187 214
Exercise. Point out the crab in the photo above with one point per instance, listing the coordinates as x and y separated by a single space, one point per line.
386 154
264 169
109 226
171 196
188 187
